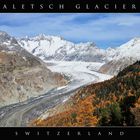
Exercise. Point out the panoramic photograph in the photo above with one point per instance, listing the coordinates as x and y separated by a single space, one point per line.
69 69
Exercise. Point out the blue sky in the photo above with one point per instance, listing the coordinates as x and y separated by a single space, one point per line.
106 30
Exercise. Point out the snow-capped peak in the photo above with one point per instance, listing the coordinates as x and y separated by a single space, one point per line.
4 37
130 49
2 33
56 48
132 43
40 37
48 47
87 44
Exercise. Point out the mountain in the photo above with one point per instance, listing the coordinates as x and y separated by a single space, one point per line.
22 75
130 49
115 102
14 52
121 57
56 48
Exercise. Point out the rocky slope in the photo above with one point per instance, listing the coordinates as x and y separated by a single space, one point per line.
22 75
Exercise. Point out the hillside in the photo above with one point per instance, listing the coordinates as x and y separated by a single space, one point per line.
22 75
115 102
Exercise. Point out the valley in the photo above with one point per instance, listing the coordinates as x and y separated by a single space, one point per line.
79 74
40 75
